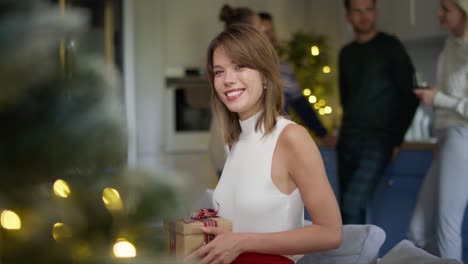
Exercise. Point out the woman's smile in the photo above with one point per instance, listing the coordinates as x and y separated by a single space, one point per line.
239 87
233 94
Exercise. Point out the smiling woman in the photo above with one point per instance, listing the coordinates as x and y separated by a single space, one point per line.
236 56
274 168
238 87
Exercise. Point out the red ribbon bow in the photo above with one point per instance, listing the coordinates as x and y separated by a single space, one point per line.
203 213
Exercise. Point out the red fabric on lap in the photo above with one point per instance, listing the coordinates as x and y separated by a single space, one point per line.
257 258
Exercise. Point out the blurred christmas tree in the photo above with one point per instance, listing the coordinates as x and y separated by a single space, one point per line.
66 195
309 53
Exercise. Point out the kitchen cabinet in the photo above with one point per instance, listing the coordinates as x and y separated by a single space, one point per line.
410 19
396 196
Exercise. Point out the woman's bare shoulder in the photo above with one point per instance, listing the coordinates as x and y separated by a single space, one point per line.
295 134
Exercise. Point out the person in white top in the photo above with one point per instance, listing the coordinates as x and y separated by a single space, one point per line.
274 167
437 219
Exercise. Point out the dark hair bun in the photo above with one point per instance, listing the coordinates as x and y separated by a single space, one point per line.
226 14
231 15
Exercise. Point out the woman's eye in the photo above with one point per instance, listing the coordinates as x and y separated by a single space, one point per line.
218 72
238 67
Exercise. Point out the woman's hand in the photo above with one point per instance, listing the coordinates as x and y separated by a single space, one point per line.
225 248
426 95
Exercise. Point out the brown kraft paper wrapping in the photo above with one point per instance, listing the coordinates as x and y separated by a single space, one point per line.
185 236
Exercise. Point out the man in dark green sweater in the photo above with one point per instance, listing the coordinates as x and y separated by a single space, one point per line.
376 80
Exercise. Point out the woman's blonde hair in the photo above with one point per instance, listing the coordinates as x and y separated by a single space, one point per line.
247 46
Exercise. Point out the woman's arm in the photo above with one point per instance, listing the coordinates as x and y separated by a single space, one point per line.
437 98
305 167
458 105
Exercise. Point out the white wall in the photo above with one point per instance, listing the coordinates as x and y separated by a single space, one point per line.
188 32
148 21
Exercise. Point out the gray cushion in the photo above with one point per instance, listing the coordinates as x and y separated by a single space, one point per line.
406 252
361 245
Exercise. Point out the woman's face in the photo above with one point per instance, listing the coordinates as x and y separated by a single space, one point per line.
256 22
239 88
451 17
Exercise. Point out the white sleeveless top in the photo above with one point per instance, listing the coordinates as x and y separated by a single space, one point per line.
246 194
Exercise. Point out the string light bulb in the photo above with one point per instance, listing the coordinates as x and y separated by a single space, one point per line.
10 220
112 200
124 249
312 99
315 51
61 188
61 231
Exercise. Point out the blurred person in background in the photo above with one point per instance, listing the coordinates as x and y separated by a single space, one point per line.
376 81
293 90
244 15
438 216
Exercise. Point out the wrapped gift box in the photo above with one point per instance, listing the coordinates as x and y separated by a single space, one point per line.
184 236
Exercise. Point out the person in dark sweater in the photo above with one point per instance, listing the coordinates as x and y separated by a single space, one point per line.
376 80
293 91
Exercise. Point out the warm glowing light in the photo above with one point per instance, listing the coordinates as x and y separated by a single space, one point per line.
124 249
61 231
81 251
10 220
339 111
314 50
322 102
111 198
316 106
61 188
312 99
328 110
326 69
321 111
307 92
